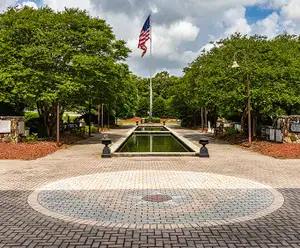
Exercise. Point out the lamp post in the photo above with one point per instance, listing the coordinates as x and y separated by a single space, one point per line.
236 65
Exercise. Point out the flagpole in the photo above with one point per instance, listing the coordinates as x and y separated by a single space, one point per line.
150 113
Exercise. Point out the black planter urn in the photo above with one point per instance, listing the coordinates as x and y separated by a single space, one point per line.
203 150
106 153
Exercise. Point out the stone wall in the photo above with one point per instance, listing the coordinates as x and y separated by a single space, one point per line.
292 138
290 126
13 136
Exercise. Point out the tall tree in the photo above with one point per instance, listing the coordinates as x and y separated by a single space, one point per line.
273 67
49 57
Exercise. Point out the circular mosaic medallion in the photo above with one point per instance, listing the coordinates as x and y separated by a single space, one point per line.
156 199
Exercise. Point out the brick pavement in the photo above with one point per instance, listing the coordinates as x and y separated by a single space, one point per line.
21 226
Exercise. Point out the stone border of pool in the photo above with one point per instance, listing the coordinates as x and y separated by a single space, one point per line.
183 140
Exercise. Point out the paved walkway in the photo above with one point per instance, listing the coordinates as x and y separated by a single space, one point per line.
73 198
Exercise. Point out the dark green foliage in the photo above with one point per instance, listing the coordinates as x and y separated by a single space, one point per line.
14 109
94 129
67 57
94 119
30 115
164 92
273 66
37 125
32 138
159 107
231 131
187 121
154 120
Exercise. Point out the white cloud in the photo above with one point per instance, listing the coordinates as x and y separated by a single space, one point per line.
291 10
166 40
61 4
182 29
289 26
30 4
268 26
274 4
235 21
4 4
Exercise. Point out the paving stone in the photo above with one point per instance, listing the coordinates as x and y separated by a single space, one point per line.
22 226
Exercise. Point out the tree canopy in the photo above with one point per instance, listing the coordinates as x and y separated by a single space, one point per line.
68 57
164 90
273 67
72 59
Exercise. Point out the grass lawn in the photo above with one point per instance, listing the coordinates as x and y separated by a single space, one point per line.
127 123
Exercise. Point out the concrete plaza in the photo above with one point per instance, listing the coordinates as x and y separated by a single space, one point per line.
73 198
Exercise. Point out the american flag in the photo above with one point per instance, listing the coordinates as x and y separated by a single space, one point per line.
144 36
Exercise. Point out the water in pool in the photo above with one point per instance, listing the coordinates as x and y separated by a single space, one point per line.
153 129
153 143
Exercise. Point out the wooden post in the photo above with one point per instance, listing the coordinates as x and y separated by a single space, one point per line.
202 119
108 117
205 116
254 126
90 119
57 125
102 117
99 109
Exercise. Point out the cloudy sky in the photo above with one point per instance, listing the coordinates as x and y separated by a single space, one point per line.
182 28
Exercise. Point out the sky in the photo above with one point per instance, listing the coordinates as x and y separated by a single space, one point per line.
182 28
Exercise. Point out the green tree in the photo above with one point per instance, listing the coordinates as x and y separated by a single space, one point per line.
159 107
273 66
66 57
164 92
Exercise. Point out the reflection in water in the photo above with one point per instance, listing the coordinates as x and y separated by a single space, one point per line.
153 129
153 143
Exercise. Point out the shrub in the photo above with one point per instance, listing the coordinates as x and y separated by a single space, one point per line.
187 121
154 120
32 138
94 129
37 125
30 115
72 118
79 132
231 131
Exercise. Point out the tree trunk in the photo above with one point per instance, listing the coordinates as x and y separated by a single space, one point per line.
243 123
99 111
53 120
254 121
108 116
205 116
202 119
48 114
116 117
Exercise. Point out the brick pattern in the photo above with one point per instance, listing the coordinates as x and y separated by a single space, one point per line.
193 199
21 226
